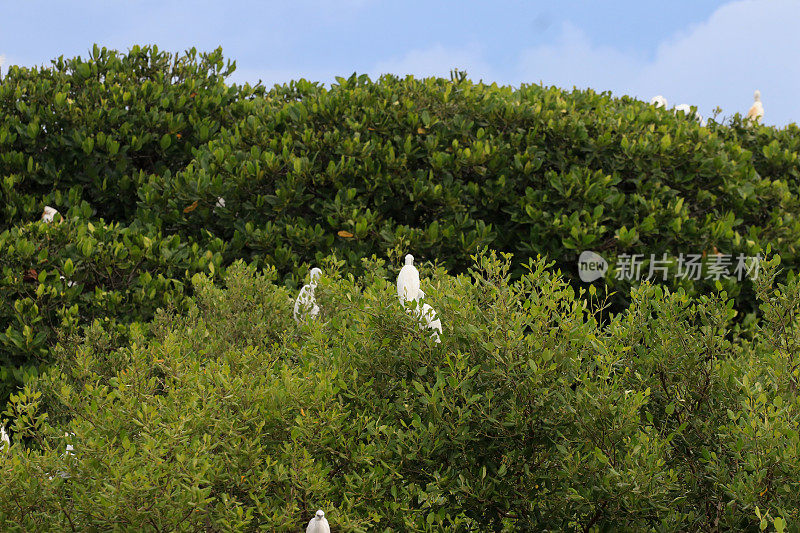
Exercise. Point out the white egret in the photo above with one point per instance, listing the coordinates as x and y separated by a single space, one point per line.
5 442
220 202
408 281
687 109
756 112
306 305
427 313
69 451
658 101
49 214
318 524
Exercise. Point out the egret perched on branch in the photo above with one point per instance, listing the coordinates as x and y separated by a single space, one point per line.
5 442
425 312
48 214
318 524
658 101
220 202
408 281
756 112
687 109
306 305
70 450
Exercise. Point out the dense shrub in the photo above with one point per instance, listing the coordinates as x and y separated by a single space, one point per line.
105 123
537 411
57 277
150 141
530 415
445 167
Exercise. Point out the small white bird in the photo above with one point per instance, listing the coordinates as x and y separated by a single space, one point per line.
5 442
69 451
408 281
318 524
220 202
48 214
658 101
427 313
687 110
756 112
306 305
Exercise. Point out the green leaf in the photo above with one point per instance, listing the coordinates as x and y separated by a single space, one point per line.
166 140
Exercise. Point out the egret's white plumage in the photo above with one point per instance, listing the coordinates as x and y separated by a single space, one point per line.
756 112
687 109
426 312
69 451
220 202
318 524
49 214
408 281
306 305
658 101
5 442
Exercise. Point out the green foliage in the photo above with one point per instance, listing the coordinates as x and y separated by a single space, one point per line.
105 123
444 168
59 277
537 410
149 141
82 136
530 415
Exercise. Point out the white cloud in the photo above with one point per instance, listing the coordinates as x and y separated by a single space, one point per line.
743 46
573 61
437 61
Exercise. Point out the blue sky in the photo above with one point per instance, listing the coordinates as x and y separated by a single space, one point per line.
701 52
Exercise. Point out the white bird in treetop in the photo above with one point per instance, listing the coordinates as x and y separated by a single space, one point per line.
756 112
306 305
687 109
658 101
48 214
318 524
5 442
426 312
408 281
220 202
